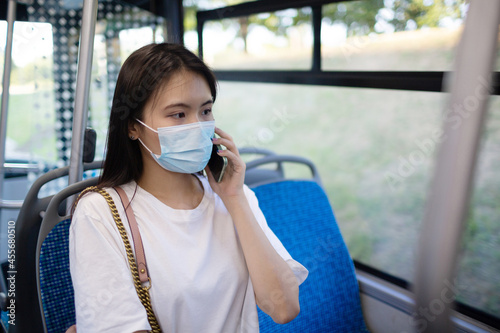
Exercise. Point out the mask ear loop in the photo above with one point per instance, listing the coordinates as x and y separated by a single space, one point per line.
146 125
142 143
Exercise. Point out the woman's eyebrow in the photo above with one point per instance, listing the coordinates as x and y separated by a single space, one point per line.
174 105
184 105
210 101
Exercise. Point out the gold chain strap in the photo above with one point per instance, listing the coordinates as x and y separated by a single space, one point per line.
142 292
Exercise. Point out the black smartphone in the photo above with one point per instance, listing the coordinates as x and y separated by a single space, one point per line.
217 164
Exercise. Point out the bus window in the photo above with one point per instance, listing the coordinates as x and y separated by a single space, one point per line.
30 128
278 40
374 150
31 136
479 267
363 35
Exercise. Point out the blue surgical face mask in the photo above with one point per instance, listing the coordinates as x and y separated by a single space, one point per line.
184 148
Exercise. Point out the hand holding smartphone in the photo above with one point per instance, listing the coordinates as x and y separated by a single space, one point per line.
217 164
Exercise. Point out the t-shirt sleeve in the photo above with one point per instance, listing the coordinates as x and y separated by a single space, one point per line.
105 296
298 269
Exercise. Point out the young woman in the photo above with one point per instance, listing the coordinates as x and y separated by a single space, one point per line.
210 255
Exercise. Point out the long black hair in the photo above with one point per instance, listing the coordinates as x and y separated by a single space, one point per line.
141 76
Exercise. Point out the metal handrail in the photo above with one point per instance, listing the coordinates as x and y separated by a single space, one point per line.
44 179
11 204
449 196
12 168
17 167
86 50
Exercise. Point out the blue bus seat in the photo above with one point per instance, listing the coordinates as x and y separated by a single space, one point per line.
299 213
56 288
53 278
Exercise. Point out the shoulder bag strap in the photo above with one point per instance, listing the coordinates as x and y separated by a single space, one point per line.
136 236
142 292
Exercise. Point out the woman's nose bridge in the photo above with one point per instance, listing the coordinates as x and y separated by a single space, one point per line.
193 117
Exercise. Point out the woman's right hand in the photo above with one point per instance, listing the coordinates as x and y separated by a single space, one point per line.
232 181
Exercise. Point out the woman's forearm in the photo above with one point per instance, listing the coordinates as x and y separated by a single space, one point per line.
276 288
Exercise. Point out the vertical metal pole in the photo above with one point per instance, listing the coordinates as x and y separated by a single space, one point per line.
173 12
449 196
316 21
199 28
175 21
86 51
11 16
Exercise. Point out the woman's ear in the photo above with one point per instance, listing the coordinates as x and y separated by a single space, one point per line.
133 130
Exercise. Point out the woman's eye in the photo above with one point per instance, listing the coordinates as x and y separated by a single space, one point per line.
207 112
179 115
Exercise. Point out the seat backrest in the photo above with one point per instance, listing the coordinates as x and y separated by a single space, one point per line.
54 285
256 174
56 288
27 228
300 215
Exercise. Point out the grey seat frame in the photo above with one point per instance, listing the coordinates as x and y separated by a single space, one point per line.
267 176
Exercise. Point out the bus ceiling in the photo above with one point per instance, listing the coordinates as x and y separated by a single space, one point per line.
157 7
21 11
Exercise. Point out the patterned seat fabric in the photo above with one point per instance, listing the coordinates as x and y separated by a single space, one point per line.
300 214
55 280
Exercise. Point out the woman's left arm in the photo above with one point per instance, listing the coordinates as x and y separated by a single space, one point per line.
275 285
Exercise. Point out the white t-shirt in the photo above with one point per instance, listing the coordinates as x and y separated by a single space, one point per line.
200 282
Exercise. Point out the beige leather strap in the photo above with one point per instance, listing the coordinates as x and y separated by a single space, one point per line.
142 291
140 258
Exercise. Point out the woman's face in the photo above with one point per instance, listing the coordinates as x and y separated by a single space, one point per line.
184 99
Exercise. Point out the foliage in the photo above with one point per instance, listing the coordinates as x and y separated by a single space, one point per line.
425 13
359 17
